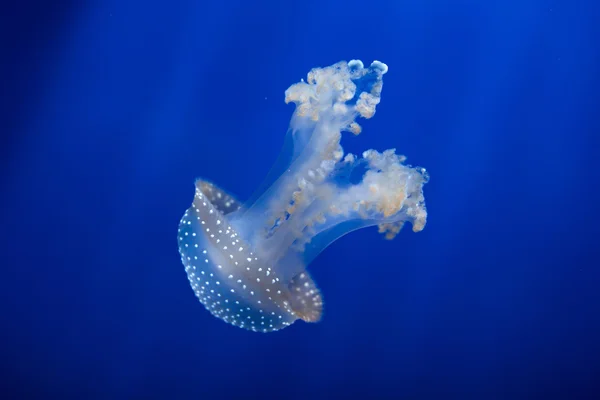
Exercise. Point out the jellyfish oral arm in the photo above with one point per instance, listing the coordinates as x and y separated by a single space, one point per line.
313 197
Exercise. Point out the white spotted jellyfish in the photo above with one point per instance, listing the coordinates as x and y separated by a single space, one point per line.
247 262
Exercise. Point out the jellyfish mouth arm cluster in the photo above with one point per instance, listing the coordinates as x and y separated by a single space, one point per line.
315 194
321 194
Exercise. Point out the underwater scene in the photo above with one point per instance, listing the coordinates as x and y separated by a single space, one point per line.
316 200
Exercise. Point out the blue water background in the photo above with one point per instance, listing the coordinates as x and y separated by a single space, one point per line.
111 109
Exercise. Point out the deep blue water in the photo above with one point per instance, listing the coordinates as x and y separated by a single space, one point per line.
111 109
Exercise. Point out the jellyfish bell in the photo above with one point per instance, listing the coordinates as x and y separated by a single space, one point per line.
247 263
229 278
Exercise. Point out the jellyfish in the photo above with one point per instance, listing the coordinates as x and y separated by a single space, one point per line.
247 262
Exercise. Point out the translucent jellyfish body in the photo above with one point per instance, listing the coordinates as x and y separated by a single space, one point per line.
247 262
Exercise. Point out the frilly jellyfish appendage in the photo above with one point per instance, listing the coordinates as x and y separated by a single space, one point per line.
247 264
